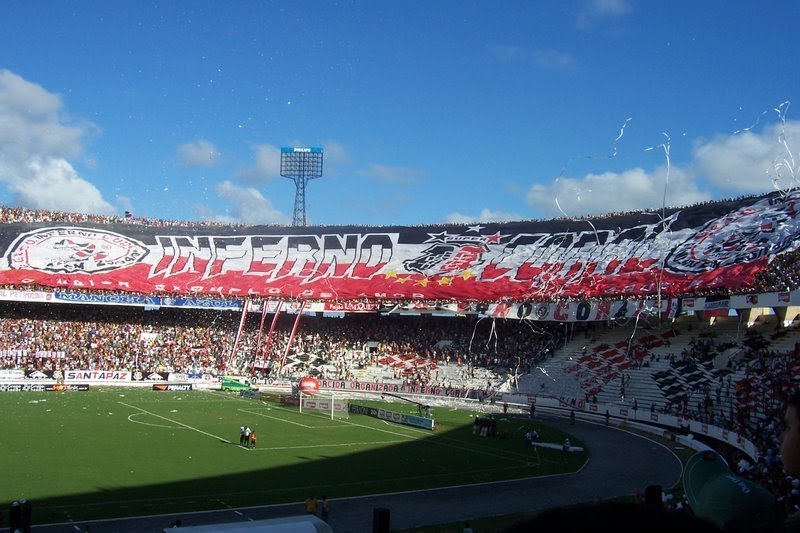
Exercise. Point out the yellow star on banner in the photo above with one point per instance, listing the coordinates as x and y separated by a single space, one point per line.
445 281
423 282
391 274
402 280
467 274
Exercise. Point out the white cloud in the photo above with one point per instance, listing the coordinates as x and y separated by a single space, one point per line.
386 174
267 165
596 194
249 206
486 215
36 145
200 153
53 184
746 162
595 11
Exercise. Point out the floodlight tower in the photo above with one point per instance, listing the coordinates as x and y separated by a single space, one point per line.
301 165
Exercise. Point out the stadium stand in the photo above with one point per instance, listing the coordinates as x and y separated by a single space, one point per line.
733 371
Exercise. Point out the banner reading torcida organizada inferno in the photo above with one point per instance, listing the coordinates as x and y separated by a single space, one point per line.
701 247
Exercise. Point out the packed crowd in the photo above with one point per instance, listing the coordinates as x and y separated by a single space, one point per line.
10 214
50 337
22 214
46 337
106 338
770 378
749 398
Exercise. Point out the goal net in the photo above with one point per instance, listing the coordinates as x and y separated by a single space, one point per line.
325 402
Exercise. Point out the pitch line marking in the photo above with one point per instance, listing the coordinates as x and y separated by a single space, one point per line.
134 415
421 434
176 422
305 426
279 419
339 445
372 428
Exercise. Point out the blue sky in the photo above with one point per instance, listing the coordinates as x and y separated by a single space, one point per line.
427 111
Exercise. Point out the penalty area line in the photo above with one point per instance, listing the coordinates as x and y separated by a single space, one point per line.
176 422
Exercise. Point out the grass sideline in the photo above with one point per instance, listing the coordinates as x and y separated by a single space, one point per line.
129 452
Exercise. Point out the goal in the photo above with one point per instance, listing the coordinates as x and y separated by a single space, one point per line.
325 402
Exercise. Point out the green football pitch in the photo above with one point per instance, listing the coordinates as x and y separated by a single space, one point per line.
127 452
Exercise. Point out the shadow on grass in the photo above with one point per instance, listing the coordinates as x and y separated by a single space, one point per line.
439 459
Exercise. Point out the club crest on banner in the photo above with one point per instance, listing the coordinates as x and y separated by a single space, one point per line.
74 250
747 234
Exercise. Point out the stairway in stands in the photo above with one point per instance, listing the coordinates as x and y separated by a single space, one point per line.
589 368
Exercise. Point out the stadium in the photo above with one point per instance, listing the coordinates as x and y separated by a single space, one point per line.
397 370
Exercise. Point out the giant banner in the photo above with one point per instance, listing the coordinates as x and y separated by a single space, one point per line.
723 244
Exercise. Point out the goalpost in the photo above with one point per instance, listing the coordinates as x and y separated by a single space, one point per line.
327 402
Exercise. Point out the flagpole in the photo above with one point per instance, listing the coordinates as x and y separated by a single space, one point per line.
258 338
268 341
238 333
291 337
